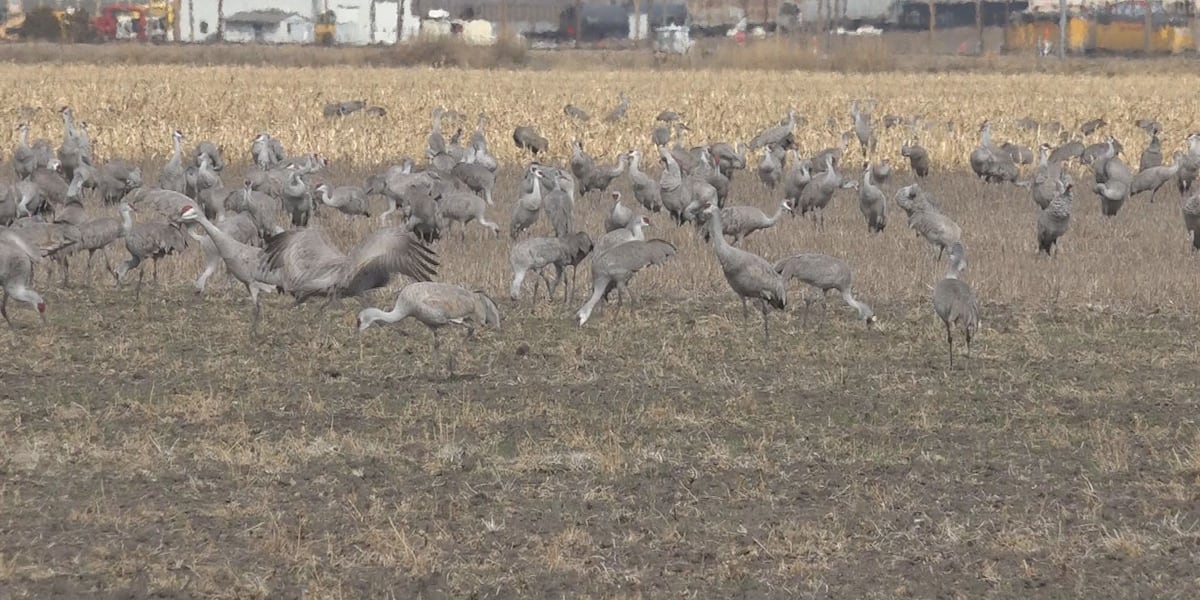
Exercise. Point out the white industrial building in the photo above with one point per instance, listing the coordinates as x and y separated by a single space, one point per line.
358 21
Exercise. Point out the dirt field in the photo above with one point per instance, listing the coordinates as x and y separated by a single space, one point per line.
155 449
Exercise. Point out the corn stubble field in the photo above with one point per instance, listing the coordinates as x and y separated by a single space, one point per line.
661 450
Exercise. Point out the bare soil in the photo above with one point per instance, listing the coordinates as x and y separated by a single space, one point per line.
154 449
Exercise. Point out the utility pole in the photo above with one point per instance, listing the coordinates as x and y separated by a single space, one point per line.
1062 29
933 21
979 23
1149 25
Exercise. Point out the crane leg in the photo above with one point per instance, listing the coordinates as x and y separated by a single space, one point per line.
745 309
137 292
66 269
154 264
4 308
766 327
559 272
950 342
968 334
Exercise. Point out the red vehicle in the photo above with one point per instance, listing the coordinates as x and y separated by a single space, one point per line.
128 22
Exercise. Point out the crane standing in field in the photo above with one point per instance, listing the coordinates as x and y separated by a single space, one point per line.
749 275
16 274
436 305
955 303
152 240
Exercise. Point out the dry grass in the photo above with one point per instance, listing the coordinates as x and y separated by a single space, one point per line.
659 451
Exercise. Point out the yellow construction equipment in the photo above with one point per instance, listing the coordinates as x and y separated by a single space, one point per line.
1117 28
325 29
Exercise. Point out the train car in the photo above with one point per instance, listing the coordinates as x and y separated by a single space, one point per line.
1109 28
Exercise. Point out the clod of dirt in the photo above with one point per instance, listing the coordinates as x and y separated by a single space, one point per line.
522 349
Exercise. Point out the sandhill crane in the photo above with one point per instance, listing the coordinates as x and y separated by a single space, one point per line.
1154 178
1067 150
1043 187
1148 124
71 153
616 267
266 151
247 263
581 163
872 202
576 113
599 178
535 254
16 274
1091 126
436 144
632 232
824 273
215 154
475 176
240 227
436 305
989 162
341 109
661 136
96 235
1018 153
729 158
559 205
778 135
27 157
672 189
73 212
1191 218
116 178
819 192
296 199
618 113
350 200
955 303
54 240
1152 155
862 126
310 266
668 116
527 138
770 168
618 216
749 275
463 207
881 171
528 206
918 158
1190 167
837 152
153 240
645 188
1053 221
740 221
799 175
929 222
173 175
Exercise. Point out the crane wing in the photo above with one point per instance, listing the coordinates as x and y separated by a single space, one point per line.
304 260
385 252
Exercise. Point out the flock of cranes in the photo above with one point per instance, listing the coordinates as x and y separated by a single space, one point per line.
241 225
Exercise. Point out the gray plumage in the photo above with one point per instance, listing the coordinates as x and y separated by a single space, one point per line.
266 151
599 178
28 156
216 155
96 235
528 138
535 254
749 275
618 113
16 274
1189 169
740 221
819 192
1018 153
153 240
955 303
341 109
1152 155
615 268
923 217
528 206
1191 219
350 200
581 162
668 116
559 205
729 158
1153 178
230 242
660 136
462 207
918 158
297 201
619 216
837 152
436 144
632 232
1054 220
823 273
778 135
1043 188
770 167
1066 151
872 202
862 127
309 265
799 175
436 305
174 175
645 187
576 113
475 176
1090 127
